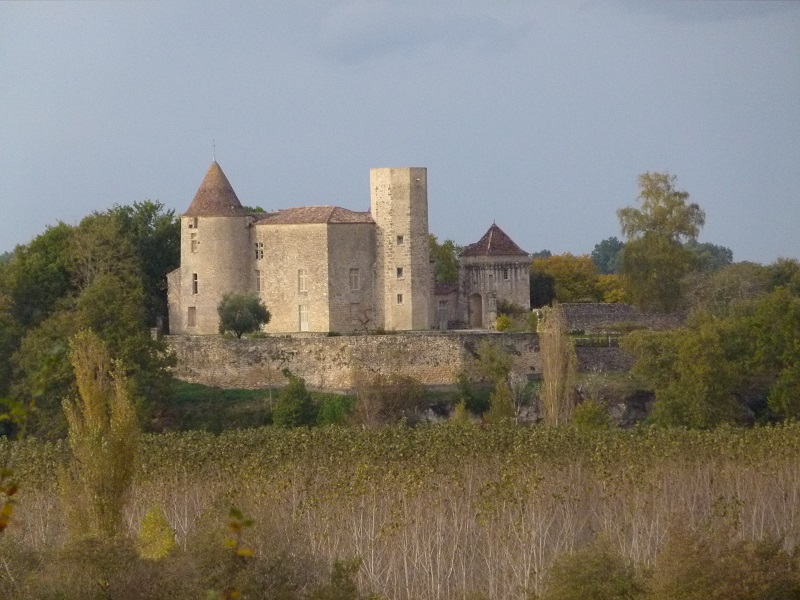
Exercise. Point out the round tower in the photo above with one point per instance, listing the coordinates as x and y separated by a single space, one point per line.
215 253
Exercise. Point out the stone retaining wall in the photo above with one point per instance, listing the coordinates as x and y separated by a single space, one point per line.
330 363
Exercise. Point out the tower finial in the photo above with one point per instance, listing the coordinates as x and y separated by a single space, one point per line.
213 150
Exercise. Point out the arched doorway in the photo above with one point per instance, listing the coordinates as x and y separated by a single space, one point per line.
475 311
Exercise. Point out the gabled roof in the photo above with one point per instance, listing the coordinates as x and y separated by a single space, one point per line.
494 242
313 214
215 197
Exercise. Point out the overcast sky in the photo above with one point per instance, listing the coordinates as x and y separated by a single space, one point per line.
536 115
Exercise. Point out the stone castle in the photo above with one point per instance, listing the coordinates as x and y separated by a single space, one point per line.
330 269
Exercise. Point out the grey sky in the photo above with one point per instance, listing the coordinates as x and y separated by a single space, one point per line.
538 116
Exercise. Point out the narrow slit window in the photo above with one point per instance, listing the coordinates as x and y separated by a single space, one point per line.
194 283
399 272
301 280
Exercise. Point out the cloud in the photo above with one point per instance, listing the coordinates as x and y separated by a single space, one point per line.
360 31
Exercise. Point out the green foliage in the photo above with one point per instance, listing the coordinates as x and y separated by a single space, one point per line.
533 321
654 259
445 260
242 313
724 369
607 256
574 277
543 288
709 257
103 439
712 564
596 571
493 363
37 275
156 536
335 409
503 322
294 407
154 234
591 414
103 274
475 400
501 405
342 584
718 292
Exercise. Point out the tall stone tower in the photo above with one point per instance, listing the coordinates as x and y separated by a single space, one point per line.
215 253
399 206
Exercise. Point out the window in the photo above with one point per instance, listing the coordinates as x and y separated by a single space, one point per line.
303 309
401 240
399 298
259 250
191 316
355 280
194 283
259 281
301 280
505 274
355 311
194 242
192 222
399 272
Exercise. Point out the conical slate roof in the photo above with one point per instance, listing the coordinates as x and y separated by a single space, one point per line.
494 242
216 197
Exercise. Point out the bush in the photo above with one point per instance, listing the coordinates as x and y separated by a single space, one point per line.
503 322
294 407
335 409
591 414
595 571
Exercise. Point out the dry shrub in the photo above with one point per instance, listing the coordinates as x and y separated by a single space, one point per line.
385 399
714 564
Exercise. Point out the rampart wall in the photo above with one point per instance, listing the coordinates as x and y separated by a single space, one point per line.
330 363
597 317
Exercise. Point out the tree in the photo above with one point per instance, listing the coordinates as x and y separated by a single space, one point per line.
574 277
654 259
445 260
607 256
294 407
154 234
559 369
709 257
103 439
37 275
242 313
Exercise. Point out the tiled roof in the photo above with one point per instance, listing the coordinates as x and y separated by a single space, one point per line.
494 242
314 214
216 197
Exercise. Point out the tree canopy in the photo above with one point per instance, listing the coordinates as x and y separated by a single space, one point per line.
655 259
242 313
607 256
106 274
445 260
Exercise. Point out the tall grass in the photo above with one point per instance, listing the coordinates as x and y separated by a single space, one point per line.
446 511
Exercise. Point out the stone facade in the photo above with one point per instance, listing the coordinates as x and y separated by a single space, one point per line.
326 268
